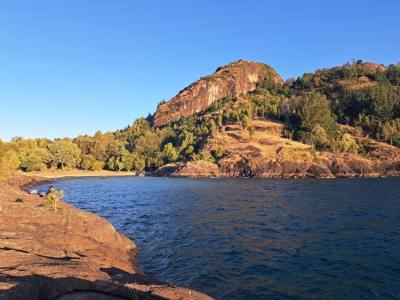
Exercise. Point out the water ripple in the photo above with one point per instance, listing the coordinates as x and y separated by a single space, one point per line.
258 239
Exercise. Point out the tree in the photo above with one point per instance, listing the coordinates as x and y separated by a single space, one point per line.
112 163
219 121
36 160
393 74
138 163
390 131
314 109
88 162
148 145
85 143
9 162
218 153
384 101
185 140
169 153
319 137
65 154
346 143
379 101
97 165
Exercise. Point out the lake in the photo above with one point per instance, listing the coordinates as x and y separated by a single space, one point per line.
257 238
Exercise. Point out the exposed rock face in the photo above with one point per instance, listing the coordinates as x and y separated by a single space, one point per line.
191 169
68 254
231 80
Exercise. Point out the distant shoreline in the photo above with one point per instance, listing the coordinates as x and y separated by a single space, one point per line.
176 173
53 174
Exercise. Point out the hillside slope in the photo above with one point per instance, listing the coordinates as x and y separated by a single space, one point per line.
268 154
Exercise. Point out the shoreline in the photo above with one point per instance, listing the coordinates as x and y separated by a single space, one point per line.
79 254
55 174
76 173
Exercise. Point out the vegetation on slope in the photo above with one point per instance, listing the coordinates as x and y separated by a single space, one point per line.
363 95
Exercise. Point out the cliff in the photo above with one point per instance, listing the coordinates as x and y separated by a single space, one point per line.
68 254
231 80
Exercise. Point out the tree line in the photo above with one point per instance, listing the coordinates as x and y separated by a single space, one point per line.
312 107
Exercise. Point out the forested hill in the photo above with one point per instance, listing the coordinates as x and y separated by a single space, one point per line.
244 120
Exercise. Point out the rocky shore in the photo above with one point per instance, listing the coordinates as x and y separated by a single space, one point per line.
267 153
68 253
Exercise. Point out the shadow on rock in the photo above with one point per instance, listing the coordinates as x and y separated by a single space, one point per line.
38 287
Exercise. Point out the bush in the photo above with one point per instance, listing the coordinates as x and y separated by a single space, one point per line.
169 153
52 198
346 143
218 153
88 162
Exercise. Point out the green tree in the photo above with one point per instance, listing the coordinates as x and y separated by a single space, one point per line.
185 140
97 165
169 153
9 162
36 160
148 145
319 137
138 163
346 143
88 162
65 154
219 121
314 109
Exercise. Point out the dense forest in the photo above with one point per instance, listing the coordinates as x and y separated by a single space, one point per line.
365 96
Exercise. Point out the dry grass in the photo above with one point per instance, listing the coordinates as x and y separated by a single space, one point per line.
266 141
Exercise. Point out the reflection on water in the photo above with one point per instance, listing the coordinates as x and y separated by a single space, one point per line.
257 239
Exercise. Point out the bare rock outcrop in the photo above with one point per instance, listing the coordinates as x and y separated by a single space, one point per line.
68 254
191 169
230 80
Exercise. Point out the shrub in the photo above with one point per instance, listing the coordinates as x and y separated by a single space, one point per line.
52 198
169 153
88 162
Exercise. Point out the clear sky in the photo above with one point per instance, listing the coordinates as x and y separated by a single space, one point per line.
70 67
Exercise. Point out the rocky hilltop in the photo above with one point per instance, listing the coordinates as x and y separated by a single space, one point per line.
68 254
231 80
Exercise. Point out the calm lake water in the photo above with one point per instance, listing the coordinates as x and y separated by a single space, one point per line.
257 239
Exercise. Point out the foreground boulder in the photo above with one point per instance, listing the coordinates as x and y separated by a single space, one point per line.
231 80
68 254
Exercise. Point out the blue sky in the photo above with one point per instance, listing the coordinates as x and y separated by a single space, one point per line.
70 67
